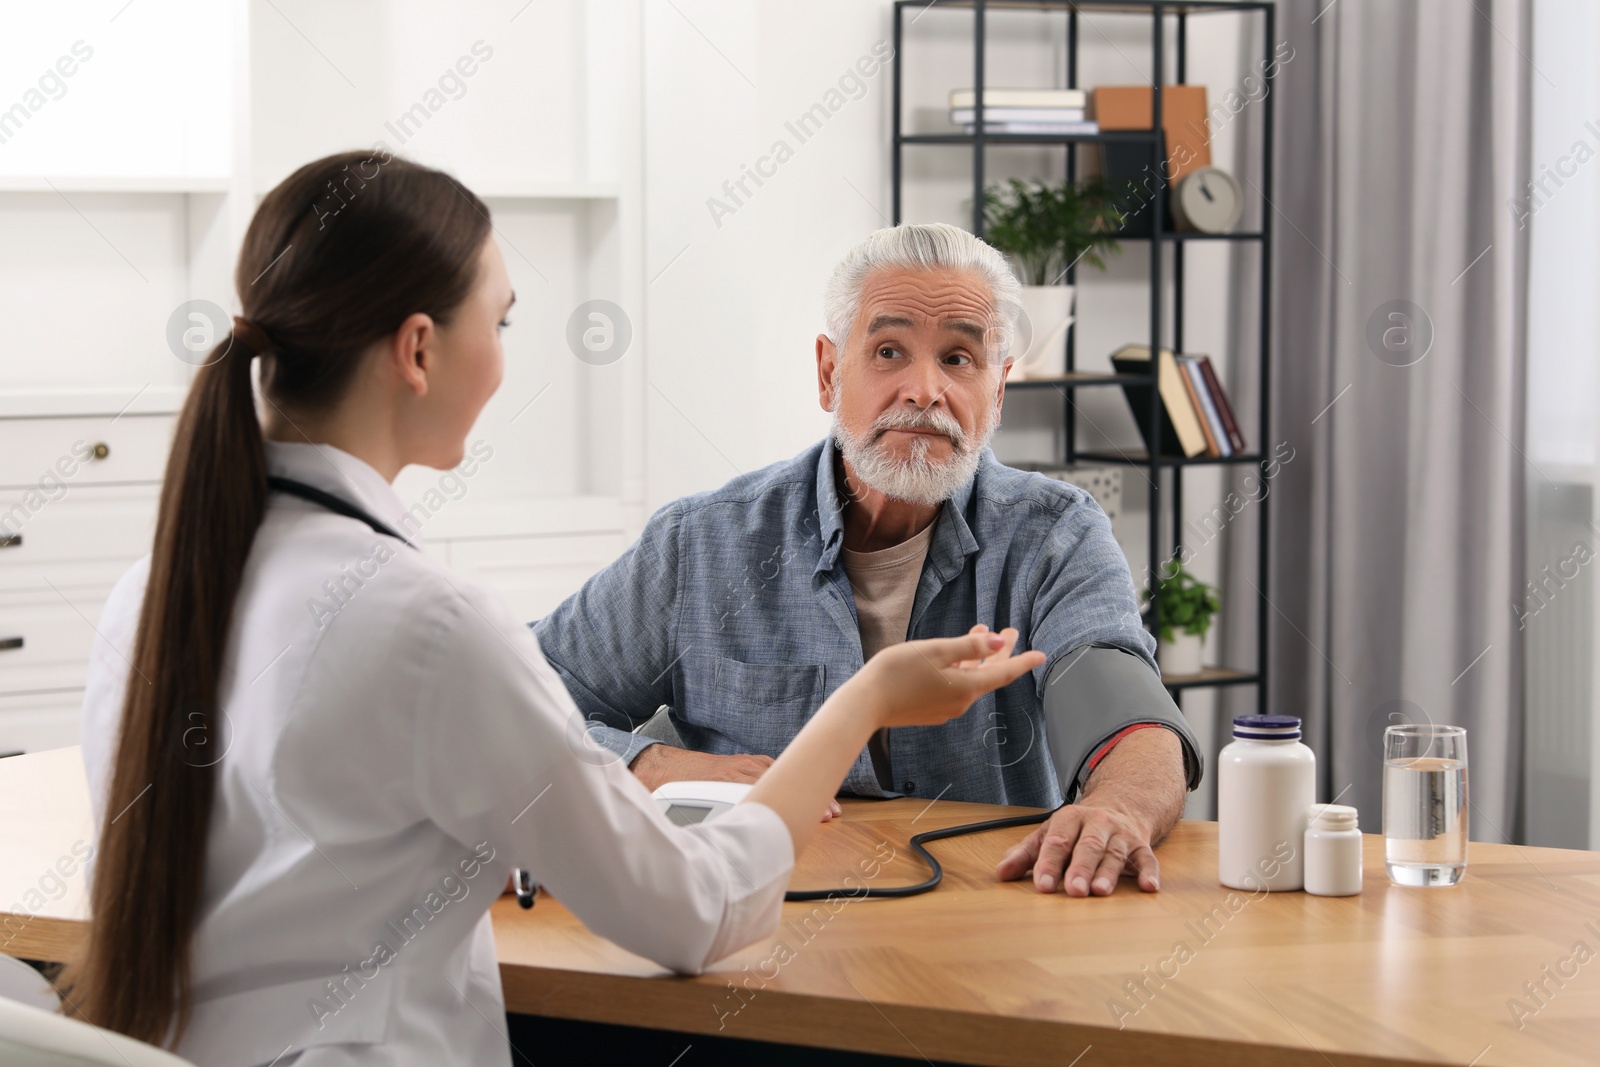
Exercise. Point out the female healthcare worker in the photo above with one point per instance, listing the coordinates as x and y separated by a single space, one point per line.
315 755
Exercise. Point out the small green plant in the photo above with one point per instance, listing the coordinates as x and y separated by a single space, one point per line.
1046 228
1184 603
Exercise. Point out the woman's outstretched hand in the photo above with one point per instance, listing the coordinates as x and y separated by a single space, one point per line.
928 682
918 683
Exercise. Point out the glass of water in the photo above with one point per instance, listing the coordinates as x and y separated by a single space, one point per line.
1425 803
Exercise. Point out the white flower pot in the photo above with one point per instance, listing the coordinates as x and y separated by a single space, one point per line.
1182 656
1047 310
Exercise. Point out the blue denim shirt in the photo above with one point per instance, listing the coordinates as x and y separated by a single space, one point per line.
734 609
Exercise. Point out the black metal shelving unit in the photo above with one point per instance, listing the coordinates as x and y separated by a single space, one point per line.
1161 471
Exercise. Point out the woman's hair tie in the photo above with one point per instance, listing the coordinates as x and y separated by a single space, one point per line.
252 336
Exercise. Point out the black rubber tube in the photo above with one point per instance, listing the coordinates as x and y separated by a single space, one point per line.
935 872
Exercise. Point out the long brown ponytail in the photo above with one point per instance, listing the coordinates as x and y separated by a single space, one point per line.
334 260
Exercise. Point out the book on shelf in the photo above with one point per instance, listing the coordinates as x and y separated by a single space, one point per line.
1184 121
1217 443
1035 127
1179 432
1219 398
965 116
1049 98
1196 417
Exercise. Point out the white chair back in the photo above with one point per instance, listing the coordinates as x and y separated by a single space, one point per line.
31 1037
25 985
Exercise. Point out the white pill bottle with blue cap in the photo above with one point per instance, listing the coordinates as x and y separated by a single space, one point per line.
1266 784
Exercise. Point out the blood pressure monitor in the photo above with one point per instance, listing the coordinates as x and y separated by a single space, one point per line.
688 803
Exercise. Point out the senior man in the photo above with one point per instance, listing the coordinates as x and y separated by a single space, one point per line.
741 609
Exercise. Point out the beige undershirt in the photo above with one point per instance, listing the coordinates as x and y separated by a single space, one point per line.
885 587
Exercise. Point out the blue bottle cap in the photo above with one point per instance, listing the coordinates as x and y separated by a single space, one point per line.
1267 727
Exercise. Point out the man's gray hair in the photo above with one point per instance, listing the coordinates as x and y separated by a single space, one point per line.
934 246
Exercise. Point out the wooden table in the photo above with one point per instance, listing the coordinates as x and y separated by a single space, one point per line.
987 973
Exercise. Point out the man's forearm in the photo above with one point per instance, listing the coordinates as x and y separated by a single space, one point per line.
1143 777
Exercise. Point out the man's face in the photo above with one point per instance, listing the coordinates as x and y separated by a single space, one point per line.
916 392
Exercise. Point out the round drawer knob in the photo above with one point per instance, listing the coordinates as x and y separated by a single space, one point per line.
100 450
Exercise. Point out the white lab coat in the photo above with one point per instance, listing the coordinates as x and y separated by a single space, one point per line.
393 742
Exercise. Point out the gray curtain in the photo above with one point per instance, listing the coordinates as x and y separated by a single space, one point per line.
1396 546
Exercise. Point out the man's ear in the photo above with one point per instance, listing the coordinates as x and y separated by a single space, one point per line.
827 364
412 352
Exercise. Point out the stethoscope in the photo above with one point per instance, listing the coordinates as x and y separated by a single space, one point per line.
336 504
521 880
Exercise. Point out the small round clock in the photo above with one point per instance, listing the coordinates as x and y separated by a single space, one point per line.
1208 200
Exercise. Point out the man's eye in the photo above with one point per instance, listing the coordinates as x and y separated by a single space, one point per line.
888 353
959 359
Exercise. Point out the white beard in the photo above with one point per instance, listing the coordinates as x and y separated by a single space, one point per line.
916 479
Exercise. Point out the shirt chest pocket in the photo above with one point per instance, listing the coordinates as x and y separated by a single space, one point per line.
727 705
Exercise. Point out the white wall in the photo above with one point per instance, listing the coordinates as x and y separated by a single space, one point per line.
91 95
735 303
539 110
153 98
732 309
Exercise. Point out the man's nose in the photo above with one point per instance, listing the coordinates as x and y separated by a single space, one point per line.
924 384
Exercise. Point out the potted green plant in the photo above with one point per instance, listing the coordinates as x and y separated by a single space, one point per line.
1185 608
1045 228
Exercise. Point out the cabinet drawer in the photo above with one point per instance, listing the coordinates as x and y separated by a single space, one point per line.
87 536
38 454
56 632
37 722
534 574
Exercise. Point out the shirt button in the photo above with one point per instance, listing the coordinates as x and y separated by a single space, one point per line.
909 787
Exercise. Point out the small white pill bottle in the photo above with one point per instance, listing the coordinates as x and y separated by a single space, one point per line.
1266 784
1333 851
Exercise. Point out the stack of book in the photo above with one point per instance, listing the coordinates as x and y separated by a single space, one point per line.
1023 111
1196 417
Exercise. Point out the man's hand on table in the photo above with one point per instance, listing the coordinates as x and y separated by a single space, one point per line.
661 763
1102 844
1133 798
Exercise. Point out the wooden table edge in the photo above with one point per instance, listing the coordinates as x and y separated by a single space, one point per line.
43 938
681 1005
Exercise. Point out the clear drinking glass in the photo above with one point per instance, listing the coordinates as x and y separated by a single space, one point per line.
1425 804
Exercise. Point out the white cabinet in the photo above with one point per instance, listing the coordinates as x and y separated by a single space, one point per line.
51 456
533 553
34 722
109 226
534 574
46 637
78 497
70 528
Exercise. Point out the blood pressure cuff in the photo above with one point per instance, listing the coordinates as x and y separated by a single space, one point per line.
1096 692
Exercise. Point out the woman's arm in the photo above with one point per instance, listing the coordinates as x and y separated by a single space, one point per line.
919 683
503 758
